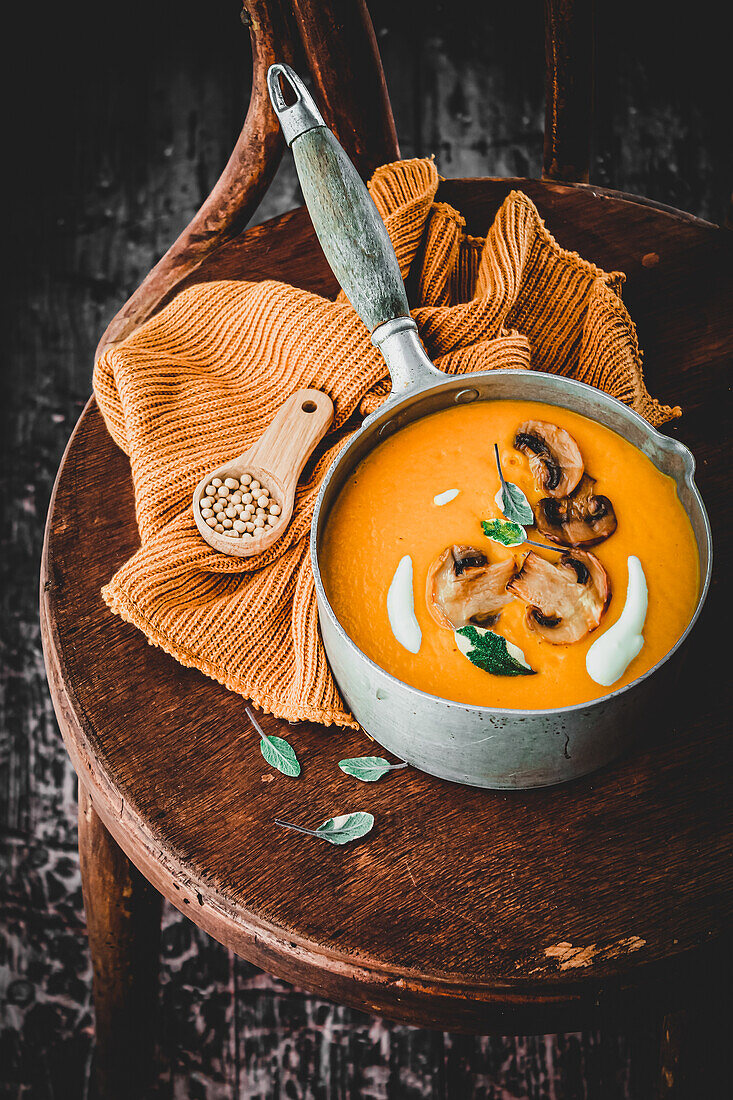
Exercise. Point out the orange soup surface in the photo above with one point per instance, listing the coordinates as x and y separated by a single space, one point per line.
386 510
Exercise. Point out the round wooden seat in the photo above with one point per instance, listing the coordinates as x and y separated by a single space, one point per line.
464 909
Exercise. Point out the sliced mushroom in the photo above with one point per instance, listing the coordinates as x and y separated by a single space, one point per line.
567 598
580 519
554 456
462 587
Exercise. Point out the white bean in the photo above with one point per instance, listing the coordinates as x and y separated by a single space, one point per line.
216 482
231 483
210 491
246 498
230 512
207 513
219 506
239 526
245 479
254 486
262 501
272 520
259 522
211 522
275 509
222 491
236 498
219 528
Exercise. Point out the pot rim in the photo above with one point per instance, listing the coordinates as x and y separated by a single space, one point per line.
571 385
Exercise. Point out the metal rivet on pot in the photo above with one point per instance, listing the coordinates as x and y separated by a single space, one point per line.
464 397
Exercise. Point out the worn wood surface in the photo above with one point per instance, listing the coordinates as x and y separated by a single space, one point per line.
243 183
343 56
569 49
123 926
139 110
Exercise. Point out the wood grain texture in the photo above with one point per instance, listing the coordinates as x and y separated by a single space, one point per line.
565 913
242 184
569 50
123 926
350 86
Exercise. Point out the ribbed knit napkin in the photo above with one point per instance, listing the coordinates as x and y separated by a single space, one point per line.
200 382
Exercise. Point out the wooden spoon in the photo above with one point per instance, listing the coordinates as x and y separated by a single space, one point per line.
276 461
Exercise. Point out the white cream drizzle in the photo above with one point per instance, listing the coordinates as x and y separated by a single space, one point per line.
446 497
401 607
612 653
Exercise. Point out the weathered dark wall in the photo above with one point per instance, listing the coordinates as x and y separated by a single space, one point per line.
120 120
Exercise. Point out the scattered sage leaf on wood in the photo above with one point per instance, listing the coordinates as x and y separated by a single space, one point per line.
276 750
491 652
511 500
368 768
504 532
337 830
280 755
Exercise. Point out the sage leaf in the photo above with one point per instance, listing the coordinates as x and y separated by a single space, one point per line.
511 500
515 505
491 652
347 827
504 532
280 755
276 750
337 830
368 768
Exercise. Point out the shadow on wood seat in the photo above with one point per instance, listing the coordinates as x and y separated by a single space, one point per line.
630 864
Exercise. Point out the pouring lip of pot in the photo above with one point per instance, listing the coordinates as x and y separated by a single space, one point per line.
677 453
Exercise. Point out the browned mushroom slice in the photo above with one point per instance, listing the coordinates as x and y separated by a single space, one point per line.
580 519
567 599
462 587
554 456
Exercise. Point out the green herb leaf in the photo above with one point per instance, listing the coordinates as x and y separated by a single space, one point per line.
276 750
504 532
511 500
368 768
514 504
337 830
280 755
491 652
340 830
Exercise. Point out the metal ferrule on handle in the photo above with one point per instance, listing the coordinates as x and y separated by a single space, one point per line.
351 233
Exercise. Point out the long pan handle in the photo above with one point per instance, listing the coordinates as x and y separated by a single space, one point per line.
347 223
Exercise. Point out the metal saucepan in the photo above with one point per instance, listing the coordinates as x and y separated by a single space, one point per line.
480 746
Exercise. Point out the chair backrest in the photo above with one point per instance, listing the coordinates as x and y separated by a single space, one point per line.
335 41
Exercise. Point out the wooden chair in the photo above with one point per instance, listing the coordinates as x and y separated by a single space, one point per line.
604 900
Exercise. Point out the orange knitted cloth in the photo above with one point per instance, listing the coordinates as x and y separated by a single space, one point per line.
199 382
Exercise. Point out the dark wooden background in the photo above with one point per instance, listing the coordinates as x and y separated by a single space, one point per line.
118 120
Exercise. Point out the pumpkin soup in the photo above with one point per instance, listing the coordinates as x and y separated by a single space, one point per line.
481 552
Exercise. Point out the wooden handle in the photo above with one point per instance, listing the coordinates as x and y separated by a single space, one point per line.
300 423
347 223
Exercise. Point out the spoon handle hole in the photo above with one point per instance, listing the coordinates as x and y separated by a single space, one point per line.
309 406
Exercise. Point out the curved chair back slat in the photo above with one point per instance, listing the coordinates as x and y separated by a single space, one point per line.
350 88
568 90
239 189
